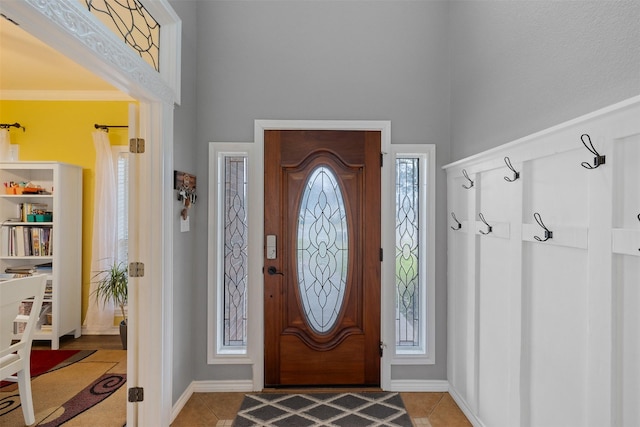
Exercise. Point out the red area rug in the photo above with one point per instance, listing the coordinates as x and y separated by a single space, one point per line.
43 361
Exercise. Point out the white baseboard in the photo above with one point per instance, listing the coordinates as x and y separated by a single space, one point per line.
419 385
465 408
182 400
222 386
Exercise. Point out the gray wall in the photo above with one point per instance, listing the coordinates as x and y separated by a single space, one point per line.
520 67
464 75
353 60
184 159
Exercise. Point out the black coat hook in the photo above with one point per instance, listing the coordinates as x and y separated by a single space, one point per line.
466 175
489 228
598 159
547 234
516 174
458 225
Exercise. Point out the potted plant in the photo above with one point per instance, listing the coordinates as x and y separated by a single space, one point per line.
112 286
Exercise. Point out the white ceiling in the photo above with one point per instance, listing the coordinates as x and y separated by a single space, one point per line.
28 64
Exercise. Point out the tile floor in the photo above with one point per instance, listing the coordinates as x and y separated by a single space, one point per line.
219 409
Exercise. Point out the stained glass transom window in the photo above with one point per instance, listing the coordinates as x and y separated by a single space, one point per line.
407 252
322 249
235 251
130 20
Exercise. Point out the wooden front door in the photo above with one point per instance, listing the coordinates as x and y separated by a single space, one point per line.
322 257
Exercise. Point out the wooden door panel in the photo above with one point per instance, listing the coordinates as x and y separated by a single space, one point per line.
347 371
347 352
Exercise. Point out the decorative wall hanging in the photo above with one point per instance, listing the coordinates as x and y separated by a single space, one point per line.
186 186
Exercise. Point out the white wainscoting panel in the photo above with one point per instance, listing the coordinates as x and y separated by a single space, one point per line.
626 389
626 278
554 335
543 318
499 201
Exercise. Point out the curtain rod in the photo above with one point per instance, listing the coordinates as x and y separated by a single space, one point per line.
12 125
106 127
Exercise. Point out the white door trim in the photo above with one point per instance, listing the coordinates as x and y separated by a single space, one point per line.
256 305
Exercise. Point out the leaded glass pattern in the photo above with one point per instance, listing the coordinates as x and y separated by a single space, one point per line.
322 249
235 251
130 20
407 253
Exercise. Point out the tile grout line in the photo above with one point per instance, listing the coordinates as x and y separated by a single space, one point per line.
204 402
435 406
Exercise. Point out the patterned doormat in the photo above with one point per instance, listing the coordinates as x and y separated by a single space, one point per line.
323 409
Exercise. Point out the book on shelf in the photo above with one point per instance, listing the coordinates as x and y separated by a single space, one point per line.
19 239
35 241
27 240
21 269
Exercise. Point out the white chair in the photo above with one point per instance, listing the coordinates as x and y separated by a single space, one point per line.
15 358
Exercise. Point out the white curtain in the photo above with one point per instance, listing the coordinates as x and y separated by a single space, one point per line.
4 145
99 317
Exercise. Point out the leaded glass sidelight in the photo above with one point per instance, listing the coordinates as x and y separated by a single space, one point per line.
407 269
322 249
235 251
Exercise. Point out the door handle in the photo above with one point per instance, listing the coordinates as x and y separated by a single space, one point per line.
272 271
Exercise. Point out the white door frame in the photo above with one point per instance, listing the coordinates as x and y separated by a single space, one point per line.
68 27
256 329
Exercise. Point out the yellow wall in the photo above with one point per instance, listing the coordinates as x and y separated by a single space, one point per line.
61 131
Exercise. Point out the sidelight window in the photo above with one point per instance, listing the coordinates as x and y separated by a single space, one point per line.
230 207
413 271
234 229
408 269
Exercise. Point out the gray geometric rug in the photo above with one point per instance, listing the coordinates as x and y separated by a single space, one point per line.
323 409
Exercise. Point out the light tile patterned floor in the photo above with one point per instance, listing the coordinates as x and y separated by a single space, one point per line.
219 409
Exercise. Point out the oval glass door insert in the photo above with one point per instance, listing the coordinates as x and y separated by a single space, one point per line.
322 249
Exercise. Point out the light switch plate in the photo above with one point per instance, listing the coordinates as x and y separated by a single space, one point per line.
184 225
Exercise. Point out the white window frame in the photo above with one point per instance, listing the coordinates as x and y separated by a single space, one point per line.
217 353
426 354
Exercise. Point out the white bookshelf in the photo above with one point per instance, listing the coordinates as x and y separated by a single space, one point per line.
63 185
